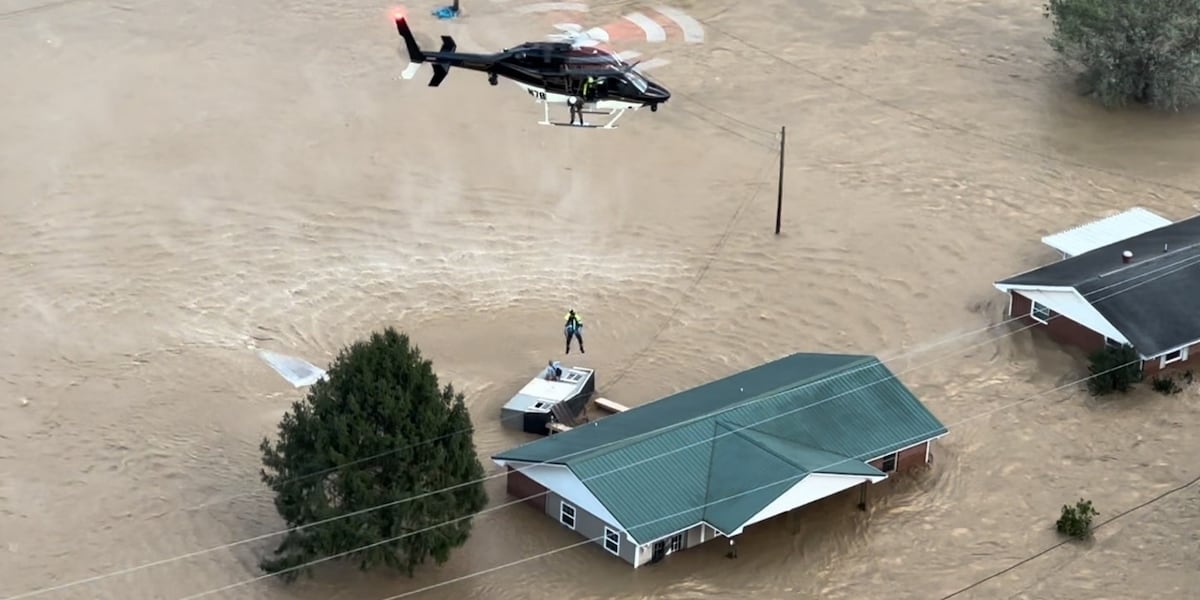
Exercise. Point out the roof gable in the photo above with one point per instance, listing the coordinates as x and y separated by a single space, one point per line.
812 460
652 487
1149 299
743 478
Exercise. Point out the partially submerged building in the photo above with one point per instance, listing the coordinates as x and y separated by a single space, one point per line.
709 462
1132 278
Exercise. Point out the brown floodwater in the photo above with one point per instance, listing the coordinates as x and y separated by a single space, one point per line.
184 182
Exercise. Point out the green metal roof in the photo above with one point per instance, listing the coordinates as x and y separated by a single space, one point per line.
723 451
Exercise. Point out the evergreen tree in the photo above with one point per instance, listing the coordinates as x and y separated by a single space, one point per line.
1147 51
380 430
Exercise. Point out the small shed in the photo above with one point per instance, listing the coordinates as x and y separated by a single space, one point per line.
1097 234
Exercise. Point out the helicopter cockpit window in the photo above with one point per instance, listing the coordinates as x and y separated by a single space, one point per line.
637 80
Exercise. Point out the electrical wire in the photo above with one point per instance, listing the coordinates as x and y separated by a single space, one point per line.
1036 555
1169 268
629 364
948 125
713 254
794 65
791 478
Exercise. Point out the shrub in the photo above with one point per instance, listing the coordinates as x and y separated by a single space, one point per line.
1114 370
1166 385
1076 521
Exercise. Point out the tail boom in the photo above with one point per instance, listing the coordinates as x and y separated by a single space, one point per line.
416 56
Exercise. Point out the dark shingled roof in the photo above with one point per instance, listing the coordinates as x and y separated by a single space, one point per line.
1154 300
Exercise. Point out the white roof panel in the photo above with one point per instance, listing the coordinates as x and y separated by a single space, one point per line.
1097 234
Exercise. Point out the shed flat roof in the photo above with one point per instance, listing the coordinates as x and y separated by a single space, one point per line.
1097 234
550 392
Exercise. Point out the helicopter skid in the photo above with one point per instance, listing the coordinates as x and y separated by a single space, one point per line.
611 124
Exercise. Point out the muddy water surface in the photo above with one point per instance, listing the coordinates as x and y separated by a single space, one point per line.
184 182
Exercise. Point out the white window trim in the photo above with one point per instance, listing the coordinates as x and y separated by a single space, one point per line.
614 551
1183 355
562 511
1033 304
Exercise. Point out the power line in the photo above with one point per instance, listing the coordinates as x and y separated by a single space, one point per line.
628 530
1173 267
261 537
948 125
713 254
654 338
1062 543
730 130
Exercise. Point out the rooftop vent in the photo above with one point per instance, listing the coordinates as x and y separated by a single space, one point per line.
1127 256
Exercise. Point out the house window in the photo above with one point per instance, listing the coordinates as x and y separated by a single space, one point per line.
1174 357
1040 312
612 541
889 463
676 543
566 515
1111 343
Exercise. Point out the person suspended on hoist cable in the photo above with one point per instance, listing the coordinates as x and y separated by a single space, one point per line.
574 329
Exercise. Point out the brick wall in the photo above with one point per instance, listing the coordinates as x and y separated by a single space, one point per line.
906 459
1060 328
1151 367
1069 333
521 486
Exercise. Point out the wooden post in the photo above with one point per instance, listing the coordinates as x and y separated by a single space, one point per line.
779 199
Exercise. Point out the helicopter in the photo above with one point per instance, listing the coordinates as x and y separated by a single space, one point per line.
585 78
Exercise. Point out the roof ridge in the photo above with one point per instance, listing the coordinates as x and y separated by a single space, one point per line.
715 415
862 359
783 439
740 433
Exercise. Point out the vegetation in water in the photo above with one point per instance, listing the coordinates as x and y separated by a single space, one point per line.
1114 370
1165 385
1143 51
384 447
1076 521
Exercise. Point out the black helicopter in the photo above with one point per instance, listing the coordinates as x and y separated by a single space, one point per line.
550 72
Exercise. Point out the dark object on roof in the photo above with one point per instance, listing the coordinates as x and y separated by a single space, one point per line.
1152 297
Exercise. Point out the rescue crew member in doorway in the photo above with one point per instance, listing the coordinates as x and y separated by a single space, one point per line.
586 90
574 329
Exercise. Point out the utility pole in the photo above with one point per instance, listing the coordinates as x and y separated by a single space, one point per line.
779 199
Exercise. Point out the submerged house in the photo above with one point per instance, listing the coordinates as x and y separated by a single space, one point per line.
709 462
1132 278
